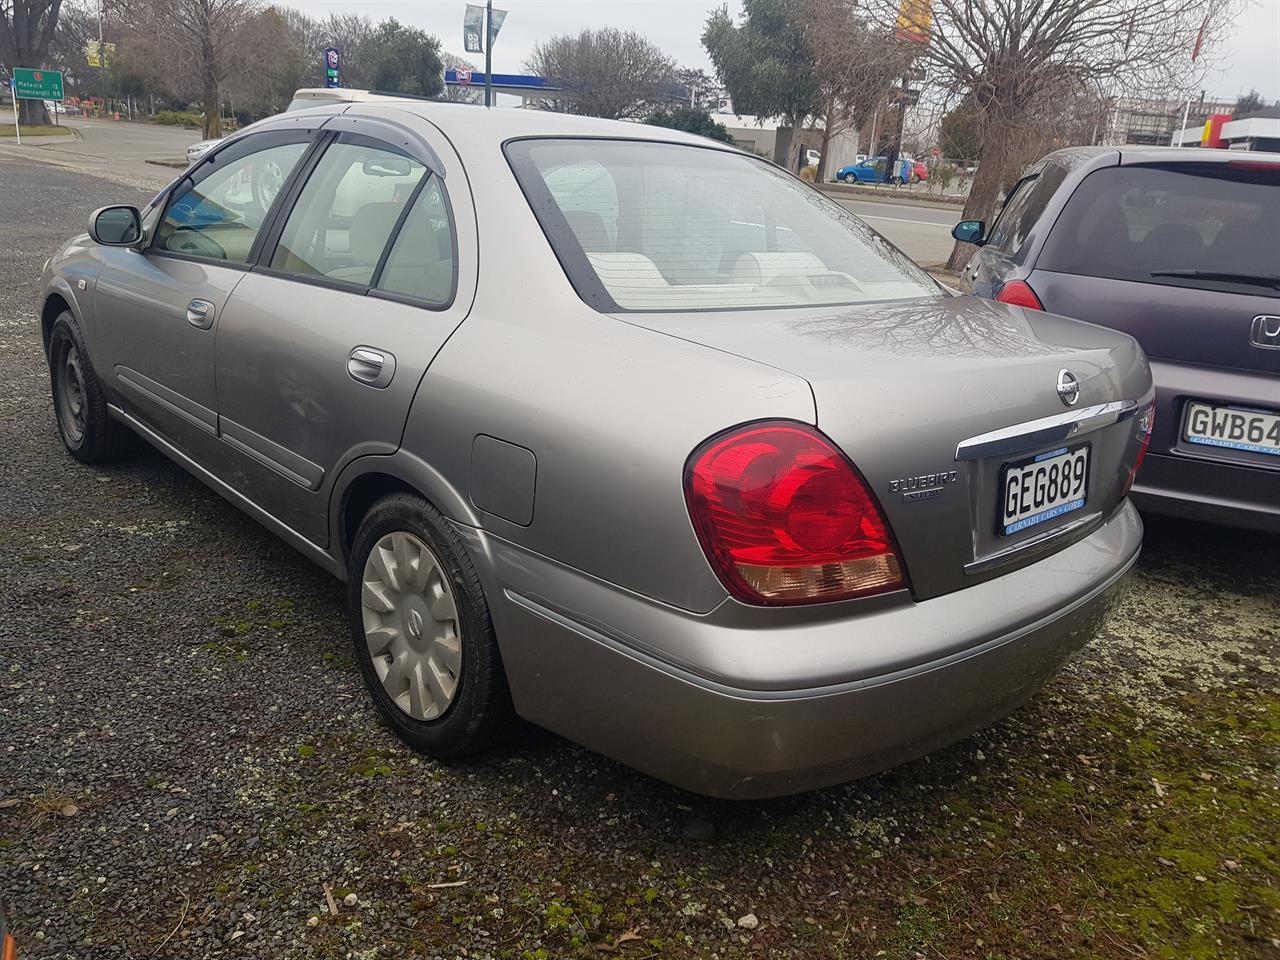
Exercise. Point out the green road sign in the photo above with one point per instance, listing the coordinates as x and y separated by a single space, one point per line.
37 84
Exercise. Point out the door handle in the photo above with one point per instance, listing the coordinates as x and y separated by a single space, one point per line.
371 366
200 314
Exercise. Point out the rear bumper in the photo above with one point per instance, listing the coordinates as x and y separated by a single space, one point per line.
588 681
1201 483
1214 492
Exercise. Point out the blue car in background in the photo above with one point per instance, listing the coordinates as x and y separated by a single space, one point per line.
872 170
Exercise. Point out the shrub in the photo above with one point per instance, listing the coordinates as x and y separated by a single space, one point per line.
177 118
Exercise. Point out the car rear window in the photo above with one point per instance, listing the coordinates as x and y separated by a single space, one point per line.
657 226
1208 225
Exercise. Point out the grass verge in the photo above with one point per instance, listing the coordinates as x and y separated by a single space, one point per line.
47 130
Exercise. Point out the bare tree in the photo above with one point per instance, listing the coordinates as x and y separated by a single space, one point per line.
1013 58
605 73
27 28
200 41
348 33
452 61
856 64
278 60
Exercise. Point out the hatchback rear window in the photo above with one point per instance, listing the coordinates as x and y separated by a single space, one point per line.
657 226
1211 225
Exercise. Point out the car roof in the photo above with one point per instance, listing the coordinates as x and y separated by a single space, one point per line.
1137 154
349 95
472 124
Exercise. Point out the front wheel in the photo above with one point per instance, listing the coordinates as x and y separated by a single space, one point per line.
850 178
79 404
421 631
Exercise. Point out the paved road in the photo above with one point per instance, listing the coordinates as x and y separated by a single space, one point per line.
109 147
924 232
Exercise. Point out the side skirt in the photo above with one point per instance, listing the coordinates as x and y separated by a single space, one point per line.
311 551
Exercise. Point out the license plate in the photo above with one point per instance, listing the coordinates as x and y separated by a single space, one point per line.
1043 488
1233 428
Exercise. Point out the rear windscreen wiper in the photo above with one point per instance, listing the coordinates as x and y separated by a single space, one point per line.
1256 279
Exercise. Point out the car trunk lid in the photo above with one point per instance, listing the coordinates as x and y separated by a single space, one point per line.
1207 327
901 386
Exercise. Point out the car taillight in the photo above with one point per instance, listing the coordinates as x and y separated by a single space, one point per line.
1146 424
1020 294
785 518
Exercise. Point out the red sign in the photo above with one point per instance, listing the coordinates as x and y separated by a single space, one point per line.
1212 136
38 76
464 76
937 151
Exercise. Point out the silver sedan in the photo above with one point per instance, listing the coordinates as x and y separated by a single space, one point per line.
615 429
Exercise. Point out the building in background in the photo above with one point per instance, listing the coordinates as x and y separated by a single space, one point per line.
1257 130
1152 120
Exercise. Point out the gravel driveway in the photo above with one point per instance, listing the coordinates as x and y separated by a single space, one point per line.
189 766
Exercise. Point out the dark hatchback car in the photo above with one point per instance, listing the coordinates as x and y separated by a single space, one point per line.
1181 249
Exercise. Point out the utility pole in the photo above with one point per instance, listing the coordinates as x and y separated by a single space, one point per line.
102 58
488 53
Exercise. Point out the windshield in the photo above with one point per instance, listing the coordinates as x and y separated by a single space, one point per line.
658 226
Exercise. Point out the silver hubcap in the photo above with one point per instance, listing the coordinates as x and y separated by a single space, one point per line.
411 625
71 395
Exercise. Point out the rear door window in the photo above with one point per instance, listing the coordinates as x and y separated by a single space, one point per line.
344 216
1162 225
420 264
1022 212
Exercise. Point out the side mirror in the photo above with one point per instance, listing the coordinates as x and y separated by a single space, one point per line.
970 231
117 226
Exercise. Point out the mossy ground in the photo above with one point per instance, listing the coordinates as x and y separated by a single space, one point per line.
1129 810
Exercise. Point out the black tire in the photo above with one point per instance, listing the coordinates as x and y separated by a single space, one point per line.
850 178
79 403
480 712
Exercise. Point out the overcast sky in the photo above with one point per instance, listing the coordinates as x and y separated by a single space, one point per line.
1251 58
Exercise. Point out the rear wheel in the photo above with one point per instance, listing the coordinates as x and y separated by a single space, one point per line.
421 631
79 404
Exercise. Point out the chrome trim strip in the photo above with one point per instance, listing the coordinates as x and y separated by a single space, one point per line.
193 413
1020 550
271 455
1026 436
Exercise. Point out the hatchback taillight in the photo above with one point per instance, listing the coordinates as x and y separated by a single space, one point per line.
785 518
1020 294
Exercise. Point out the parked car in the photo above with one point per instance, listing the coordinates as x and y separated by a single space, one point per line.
305 98
1181 249
919 172
872 171
645 473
